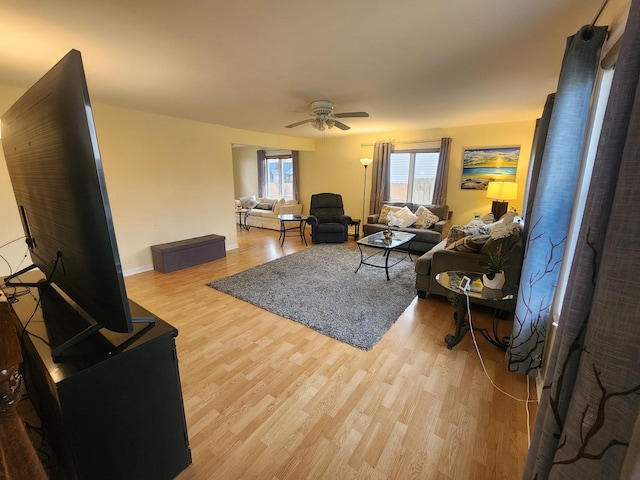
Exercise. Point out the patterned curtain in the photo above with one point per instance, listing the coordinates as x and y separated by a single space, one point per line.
380 176
262 173
537 152
588 423
442 175
548 224
296 175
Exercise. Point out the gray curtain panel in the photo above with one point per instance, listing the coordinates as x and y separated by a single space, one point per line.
589 414
262 172
442 175
296 174
552 204
380 176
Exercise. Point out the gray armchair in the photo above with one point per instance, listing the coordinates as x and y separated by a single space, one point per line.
328 222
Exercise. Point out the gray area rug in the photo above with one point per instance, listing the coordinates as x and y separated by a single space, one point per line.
318 288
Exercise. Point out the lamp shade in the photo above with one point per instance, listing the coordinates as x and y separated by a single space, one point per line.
502 190
366 161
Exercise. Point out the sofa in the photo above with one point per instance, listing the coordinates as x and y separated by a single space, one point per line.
431 225
466 248
263 212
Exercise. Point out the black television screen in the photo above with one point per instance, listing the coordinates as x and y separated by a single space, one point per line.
51 149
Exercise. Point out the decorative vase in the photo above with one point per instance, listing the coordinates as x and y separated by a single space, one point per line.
388 234
496 283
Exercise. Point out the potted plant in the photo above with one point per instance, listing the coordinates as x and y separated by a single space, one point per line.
498 260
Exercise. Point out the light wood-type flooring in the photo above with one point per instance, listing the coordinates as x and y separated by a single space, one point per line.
268 398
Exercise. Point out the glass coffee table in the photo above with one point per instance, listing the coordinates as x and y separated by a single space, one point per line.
384 247
451 281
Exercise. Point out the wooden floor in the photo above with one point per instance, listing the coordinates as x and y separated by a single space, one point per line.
268 398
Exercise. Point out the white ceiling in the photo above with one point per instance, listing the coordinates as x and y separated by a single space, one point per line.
256 64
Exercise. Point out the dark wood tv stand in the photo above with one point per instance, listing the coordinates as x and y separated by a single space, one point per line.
109 412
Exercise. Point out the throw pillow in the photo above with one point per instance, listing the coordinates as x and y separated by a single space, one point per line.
264 206
470 243
384 213
403 218
426 218
248 202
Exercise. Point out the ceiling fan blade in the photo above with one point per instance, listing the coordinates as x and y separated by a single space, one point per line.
300 123
341 125
350 114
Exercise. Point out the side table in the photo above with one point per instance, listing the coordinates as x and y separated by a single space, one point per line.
451 281
243 213
284 219
355 222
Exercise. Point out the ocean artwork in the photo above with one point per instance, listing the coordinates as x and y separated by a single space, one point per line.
483 165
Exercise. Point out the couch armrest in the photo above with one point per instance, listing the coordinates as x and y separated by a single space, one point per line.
312 220
448 260
344 220
292 209
443 226
373 218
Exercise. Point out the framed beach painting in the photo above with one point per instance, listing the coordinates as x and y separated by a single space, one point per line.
488 164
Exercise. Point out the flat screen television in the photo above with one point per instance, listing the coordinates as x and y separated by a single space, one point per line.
51 149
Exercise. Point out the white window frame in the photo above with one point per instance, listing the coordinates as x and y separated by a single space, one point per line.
411 174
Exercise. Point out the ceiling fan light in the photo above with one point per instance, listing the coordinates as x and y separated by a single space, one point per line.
318 124
330 122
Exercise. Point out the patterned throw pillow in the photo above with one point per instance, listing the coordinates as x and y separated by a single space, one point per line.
426 218
470 243
459 231
248 202
384 213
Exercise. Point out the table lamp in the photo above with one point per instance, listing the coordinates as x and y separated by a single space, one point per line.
500 192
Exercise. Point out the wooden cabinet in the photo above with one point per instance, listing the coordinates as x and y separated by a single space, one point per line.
112 404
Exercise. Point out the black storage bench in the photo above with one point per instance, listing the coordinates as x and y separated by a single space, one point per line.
172 256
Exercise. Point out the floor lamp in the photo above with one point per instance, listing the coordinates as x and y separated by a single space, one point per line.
365 162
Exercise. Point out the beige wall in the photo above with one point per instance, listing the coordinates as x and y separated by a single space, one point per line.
334 166
168 179
245 171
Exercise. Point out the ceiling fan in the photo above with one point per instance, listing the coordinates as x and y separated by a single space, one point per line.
324 118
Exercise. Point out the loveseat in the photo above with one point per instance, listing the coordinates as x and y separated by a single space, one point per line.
264 211
431 225
466 248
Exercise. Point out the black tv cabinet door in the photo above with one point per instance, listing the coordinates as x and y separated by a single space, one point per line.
113 415
124 418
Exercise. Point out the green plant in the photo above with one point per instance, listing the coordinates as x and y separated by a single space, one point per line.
498 259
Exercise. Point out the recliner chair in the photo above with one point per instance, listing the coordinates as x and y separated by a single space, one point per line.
328 222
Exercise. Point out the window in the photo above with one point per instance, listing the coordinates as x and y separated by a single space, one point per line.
279 177
413 175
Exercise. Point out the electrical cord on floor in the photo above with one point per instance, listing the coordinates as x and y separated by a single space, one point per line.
475 343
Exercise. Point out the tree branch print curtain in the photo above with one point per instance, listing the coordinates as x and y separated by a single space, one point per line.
551 212
589 413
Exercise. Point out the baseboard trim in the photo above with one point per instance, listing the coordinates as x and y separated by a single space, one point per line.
133 271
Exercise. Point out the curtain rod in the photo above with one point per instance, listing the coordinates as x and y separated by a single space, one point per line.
403 143
604 4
